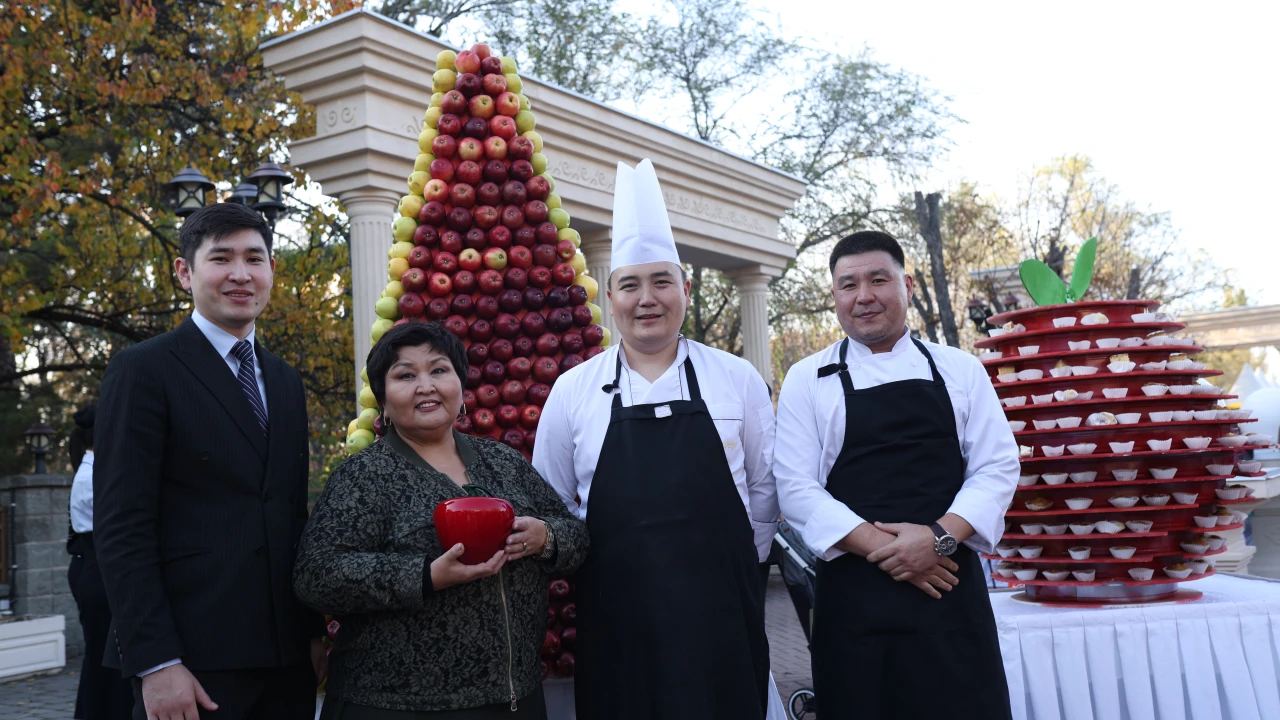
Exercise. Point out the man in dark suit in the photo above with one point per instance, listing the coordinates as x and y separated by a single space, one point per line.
200 493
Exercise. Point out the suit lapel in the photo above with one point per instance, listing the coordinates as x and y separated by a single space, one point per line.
195 351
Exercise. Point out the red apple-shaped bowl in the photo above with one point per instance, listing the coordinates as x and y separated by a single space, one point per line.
481 524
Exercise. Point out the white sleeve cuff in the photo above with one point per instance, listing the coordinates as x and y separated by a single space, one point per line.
161 666
986 517
830 522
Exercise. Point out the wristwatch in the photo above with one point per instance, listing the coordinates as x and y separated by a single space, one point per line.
943 543
549 549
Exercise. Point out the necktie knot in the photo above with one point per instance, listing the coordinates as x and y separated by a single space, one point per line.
243 351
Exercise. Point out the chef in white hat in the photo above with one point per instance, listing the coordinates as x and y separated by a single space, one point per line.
663 446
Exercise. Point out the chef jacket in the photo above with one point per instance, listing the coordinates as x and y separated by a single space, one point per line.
576 417
811 429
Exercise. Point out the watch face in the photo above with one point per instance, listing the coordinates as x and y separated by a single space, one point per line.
946 545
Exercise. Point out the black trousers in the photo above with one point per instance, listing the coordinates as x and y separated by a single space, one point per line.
103 694
287 693
532 707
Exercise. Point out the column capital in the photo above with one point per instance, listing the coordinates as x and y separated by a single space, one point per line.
357 200
753 278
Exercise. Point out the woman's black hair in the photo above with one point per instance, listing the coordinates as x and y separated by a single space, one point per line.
412 334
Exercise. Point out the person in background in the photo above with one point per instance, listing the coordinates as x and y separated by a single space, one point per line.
103 694
895 462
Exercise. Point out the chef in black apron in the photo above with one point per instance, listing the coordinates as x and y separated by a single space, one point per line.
664 447
895 460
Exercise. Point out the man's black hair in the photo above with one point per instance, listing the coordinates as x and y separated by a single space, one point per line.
865 241
214 222
414 333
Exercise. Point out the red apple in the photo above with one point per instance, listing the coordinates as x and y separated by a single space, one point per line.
414 280
475 239
481 106
557 297
486 306
548 343
563 274
419 257
490 282
533 325
519 368
463 195
506 326
426 235
522 346
457 325
433 211
441 169
495 148
454 103
467 62
521 148
519 256
535 212
577 295
438 308
512 217
511 301
445 262
514 437
469 84
521 170
592 335
411 305
477 354
502 126
485 216
548 234
439 285
470 149
464 281
463 425
451 242
530 415
526 237
444 146
488 396
515 279
537 186
480 331
569 362
544 255
477 128
494 84
480 524
495 171
488 194
495 372
581 313
571 342
534 299
513 193
508 104
546 370
491 65
537 394
496 259
484 421
512 391
469 397
592 352
509 416
529 440
459 219
462 304
540 277
500 237
449 124
469 172
473 377
501 350
436 191
482 51
565 250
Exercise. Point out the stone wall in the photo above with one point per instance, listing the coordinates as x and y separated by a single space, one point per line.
41 515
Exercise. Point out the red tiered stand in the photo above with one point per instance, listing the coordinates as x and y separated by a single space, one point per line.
1173 524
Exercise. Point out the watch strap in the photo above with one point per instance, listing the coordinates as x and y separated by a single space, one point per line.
549 549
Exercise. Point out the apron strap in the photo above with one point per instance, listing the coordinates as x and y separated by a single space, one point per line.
695 392
841 367
937 377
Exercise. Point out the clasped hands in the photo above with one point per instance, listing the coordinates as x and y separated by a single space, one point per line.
906 552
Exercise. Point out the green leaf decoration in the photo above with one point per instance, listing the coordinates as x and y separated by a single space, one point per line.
1082 272
1042 283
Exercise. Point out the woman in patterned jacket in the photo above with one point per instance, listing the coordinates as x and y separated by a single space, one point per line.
422 635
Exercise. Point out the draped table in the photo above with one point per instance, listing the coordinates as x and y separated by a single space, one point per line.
1216 658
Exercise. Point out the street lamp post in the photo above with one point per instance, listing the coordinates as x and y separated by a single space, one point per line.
262 190
187 190
978 314
39 438
270 179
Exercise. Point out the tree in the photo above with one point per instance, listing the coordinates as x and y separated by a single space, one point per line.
103 103
434 16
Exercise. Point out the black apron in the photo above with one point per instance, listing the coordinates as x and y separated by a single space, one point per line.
881 648
669 605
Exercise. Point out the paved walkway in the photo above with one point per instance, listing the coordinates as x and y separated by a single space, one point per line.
53 697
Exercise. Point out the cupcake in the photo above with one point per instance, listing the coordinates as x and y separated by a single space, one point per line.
1052 450
1216 542
1141 574
1123 501
1124 475
1198 547
1119 358
1061 369
1156 500
1081 448
1027 480
1138 526
1054 478
1032 529
1055 529
1017 425
1065 395
1083 528
1041 504
1006 569
1199 567
1100 419
1057 574
1087 476
1079 503
1026 451
1163 473
1080 552
1007 373
1096 318
1025 574
1067 423
1206 521
1186 498
1179 571
1084 575
1109 527
1030 552
1006 551
1123 552
1225 517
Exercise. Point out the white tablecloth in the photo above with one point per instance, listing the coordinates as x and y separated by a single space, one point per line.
1213 659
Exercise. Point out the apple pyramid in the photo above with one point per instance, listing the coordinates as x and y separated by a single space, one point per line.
483 246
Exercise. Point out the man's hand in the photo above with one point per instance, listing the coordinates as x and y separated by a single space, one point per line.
319 660
448 570
172 694
912 551
940 578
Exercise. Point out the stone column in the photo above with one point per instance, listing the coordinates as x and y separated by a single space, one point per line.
370 212
753 298
597 246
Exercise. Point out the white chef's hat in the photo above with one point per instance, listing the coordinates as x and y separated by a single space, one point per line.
641 230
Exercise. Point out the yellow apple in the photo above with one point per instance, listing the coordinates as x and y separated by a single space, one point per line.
367 400
514 83
418 180
525 103
387 308
432 116
443 80
410 205
508 66
380 327
400 250
393 290
367 416
525 123
397 268
569 234
424 139
535 138
423 162
364 371
436 99
402 230
353 426
596 313
539 162
445 58
605 341
588 282
359 440
579 263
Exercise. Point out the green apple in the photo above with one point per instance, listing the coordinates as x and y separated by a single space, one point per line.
443 81
411 205
605 341
533 136
380 326
402 229
514 83
432 116
387 308
508 66
418 180
596 313
553 201
524 102
550 180
367 400
400 250
578 262
588 282
364 371
539 162
353 426
570 234
393 290
397 268
559 218
359 440
367 416
425 138
525 123
423 163
436 99
445 58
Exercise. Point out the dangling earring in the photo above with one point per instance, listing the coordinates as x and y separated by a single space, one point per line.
463 413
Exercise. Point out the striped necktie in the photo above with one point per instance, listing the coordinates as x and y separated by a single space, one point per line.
249 381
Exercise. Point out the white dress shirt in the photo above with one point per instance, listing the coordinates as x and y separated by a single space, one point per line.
811 434
82 496
222 342
576 417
